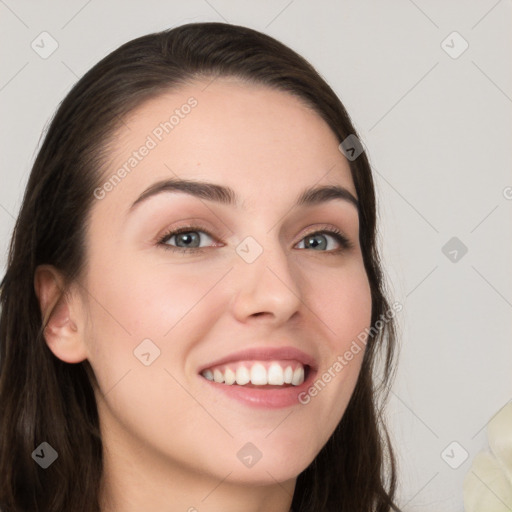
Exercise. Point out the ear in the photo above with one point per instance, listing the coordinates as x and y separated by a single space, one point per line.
61 315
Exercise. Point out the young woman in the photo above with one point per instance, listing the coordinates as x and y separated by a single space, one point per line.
193 306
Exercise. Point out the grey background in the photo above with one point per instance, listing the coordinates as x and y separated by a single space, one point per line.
438 131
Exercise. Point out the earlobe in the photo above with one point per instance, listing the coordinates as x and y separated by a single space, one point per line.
60 315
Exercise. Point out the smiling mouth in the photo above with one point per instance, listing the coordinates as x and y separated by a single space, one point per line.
275 374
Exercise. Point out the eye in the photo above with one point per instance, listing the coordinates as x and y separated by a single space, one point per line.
325 240
186 239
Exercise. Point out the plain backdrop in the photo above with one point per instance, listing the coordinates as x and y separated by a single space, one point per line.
429 87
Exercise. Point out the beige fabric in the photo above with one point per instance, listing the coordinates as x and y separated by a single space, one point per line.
488 483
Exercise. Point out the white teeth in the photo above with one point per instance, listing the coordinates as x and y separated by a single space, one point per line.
298 376
275 375
229 376
288 375
258 375
243 375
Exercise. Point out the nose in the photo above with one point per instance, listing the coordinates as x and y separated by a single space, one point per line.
267 289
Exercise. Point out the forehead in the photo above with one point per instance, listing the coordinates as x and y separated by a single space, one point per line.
261 142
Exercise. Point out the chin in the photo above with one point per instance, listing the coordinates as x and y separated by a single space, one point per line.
274 465
266 474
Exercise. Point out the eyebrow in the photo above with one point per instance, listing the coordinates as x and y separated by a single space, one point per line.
227 196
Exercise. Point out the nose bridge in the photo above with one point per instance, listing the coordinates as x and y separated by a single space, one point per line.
265 282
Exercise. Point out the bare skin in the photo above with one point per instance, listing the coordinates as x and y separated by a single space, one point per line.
171 440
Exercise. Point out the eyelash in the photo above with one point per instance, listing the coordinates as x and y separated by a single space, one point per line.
345 243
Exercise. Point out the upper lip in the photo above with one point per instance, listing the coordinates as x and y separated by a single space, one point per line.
264 354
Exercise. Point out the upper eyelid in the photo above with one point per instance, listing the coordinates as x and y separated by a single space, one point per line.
185 229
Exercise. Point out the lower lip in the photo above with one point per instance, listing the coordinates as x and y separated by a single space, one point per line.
264 398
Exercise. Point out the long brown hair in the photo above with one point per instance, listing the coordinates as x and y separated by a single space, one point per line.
43 399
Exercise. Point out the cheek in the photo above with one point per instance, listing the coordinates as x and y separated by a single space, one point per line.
132 301
143 298
342 300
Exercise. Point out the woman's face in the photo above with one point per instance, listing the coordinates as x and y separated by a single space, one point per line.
244 292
